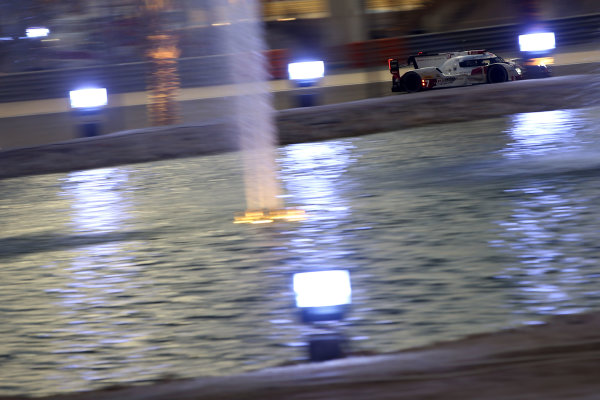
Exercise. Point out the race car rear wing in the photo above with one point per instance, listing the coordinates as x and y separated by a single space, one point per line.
418 61
428 60
423 60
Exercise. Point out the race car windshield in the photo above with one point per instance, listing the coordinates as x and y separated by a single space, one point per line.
480 62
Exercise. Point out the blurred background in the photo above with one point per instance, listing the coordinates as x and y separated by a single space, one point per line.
49 47
98 32
132 273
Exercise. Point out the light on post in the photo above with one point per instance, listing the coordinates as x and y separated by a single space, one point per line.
306 70
536 49
537 42
306 74
323 297
88 98
87 104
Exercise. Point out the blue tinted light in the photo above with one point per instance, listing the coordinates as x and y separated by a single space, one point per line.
306 70
88 98
322 288
37 32
541 41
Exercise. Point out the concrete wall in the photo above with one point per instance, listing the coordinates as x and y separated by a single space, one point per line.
48 127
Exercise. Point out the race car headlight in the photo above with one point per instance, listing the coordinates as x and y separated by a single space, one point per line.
518 70
541 41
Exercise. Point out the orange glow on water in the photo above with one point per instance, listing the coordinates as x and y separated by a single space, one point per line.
268 216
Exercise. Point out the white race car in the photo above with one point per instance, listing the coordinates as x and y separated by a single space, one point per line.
461 68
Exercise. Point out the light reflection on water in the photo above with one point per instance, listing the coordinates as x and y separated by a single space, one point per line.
125 274
541 232
536 134
96 201
549 216
95 278
318 242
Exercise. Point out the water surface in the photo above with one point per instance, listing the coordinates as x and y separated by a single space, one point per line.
130 273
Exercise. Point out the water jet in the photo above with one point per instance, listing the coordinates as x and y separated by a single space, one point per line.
253 115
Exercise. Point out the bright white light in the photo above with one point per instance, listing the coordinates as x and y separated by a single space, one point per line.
306 70
37 32
537 41
322 288
88 98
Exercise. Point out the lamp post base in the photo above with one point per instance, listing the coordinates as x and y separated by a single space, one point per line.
324 347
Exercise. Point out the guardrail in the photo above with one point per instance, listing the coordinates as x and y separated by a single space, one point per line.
208 70
502 38
568 31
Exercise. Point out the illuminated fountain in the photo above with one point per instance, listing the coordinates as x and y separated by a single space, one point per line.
253 114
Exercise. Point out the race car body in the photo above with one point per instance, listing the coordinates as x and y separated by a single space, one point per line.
460 68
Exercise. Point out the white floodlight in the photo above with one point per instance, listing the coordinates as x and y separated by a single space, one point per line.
88 98
37 32
322 288
306 70
541 41
322 295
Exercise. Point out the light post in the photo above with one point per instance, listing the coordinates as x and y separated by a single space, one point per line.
306 74
88 105
323 298
536 42
536 49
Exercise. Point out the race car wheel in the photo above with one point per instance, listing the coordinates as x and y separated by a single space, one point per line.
496 73
411 82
